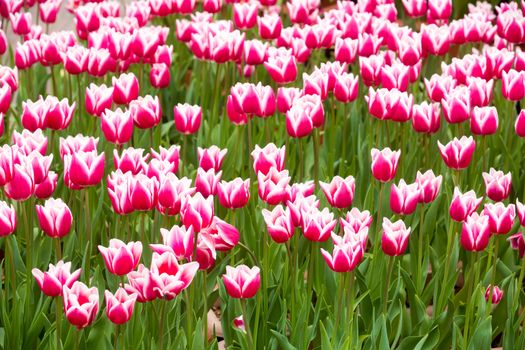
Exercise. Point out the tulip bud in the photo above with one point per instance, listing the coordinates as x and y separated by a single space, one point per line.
339 192
497 184
457 154
80 304
394 240
242 281
119 307
384 163
52 281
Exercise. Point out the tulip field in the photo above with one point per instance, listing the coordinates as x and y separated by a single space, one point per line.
262 174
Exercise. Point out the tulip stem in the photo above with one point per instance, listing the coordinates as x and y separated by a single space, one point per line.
246 320
377 238
10 252
58 252
88 231
184 153
342 164
351 298
472 282
316 157
161 322
80 107
338 305
58 321
117 331
301 159
493 278
205 307
520 283
448 257
291 263
390 268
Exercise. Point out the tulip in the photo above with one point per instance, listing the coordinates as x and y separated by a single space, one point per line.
254 52
121 258
75 59
285 98
317 225
316 84
346 87
79 142
426 117
306 113
475 232
56 278
159 75
518 243
268 157
456 105
125 88
3 42
144 284
300 204
279 223
272 186
519 126
428 186
130 160
55 218
22 184
21 22
211 158
34 114
80 304
117 126
119 307
143 192
5 97
206 182
394 240
496 292
384 163
197 211
98 99
6 164
513 85
270 26
404 198
178 240
356 220
484 121
146 111
171 277
457 154
435 40
7 219
48 11
84 168
225 236
439 9
47 187
347 253
241 281
145 42
281 65
339 192
234 194
171 191
501 217
497 184
520 208
346 50
187 118
395 76
463 204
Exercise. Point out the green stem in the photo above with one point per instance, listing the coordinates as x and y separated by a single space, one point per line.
301 159
161 323
421 280
471 283
117 332
316 157
390 268
58 311
58 251
351 298
342 164
338 306
493 278
205 301
246 320
88 231
448 257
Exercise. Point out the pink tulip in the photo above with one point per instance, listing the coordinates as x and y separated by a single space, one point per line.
497 184
270 26
475 232
456 105
125 88
346 50
212 6
268 157
306 113
517 243
457 154
395 76
435 40
121 258
28 141
48 11
206 182
281 65
339 192
159 75
5 97
6 164
80 304
130 160
47 187
513 85
346 87
225 236
510 26
144 284
187 118
3 42
143 192
84 168
34 114
484 121
79 142
117 126
178 240
272 186
520 208
21 22
356 220
145 111
501 217
245 15
55 218
279 223
22 184
316 84
497 294
384 163
404 198
98 99
119 307
7 219
211 158
318 224
438 86
519 126
171 277
428 186
347 254
171 191
426 117
52 281
439 9
234 194
301 204
370 69
145 42
394 240
242 281
463 205
197 211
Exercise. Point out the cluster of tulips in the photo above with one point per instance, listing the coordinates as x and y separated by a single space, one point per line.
262 175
